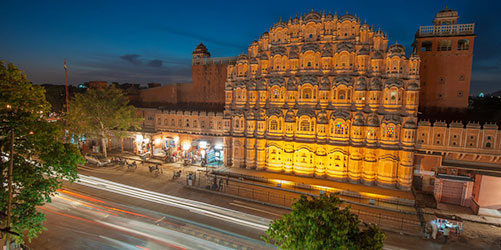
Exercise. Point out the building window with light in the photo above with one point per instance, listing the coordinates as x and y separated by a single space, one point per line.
390 132
339 128
304 125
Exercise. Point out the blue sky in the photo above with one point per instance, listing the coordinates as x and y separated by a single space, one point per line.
132 41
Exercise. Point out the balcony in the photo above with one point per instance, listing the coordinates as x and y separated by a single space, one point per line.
446 30
215 60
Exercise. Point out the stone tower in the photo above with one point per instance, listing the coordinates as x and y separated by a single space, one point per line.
200 52
446 52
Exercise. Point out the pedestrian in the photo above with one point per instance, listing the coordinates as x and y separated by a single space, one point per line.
446 233
220 184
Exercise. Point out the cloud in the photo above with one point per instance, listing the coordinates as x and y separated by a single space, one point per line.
155 63
132 58
111 68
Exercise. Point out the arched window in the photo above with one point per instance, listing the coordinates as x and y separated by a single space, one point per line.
343 61
463 44
339 128
488 145
307 93
273 125
276 94
341 94
309 59
390 132
304 125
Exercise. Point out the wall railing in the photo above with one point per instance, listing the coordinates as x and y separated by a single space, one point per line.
447 30
214 60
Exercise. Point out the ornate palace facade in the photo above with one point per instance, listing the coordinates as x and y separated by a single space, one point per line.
324 96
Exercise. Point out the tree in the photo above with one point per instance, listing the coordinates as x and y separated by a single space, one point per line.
320 223
101 113
41 160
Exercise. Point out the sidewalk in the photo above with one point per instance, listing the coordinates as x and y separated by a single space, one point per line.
406 197
463 213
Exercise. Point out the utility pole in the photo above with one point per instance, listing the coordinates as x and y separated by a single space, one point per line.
67 91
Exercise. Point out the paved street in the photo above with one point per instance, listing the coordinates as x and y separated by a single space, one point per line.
80 221
135 209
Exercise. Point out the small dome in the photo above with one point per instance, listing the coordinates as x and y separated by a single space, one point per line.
313 16
363 52
250 115
325 84
292 84
361 84
410 124
359 120
290 116
280 24
413 86
377 55
373 120
396 50
376 84
345 46
293 55
322 117
348 17
242 58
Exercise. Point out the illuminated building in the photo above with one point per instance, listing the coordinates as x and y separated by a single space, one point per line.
324 96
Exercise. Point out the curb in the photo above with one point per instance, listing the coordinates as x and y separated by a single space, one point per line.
287 208
310 194
470 220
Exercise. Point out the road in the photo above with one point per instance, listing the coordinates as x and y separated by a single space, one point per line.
80 221
103 214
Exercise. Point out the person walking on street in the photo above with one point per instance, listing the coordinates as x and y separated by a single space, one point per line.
446 234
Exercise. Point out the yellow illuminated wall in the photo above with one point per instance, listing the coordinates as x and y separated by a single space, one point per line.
324 96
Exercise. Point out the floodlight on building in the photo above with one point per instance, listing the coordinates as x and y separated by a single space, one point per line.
176 139
186 146
139 138
158 140
202 144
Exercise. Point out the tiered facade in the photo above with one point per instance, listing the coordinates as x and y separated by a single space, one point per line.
324 96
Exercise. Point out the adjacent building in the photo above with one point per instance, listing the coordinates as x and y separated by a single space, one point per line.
446 52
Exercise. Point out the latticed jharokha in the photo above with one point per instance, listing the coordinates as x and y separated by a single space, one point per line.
324 96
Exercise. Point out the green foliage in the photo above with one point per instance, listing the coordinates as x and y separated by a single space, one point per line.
320 223
101 113
41 158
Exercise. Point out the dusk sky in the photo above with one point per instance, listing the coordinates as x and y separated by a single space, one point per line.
141 42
